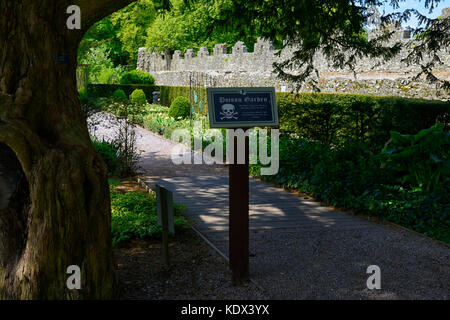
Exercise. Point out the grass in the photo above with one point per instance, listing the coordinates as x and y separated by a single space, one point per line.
134 216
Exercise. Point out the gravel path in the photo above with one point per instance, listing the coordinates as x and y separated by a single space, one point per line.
300 261
155 152
197 272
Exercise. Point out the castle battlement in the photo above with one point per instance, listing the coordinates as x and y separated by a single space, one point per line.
244 68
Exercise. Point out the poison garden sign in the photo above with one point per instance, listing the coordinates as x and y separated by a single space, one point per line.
242 107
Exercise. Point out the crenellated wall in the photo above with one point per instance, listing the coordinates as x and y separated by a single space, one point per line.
243 68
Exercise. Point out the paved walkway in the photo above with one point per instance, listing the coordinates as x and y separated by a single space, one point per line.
300 249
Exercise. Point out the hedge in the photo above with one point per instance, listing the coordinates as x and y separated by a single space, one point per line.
169 94
330 118
334 118
137 77
107 90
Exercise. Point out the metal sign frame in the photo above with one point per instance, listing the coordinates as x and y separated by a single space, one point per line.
211 92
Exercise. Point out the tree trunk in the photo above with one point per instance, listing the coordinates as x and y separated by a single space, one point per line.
58 211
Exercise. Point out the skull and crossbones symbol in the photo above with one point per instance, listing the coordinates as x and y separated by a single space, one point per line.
228 112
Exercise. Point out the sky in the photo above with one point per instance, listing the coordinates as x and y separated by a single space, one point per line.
420 6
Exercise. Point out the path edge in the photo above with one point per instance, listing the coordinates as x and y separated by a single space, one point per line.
143 184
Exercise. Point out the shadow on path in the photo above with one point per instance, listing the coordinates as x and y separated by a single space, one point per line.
300 249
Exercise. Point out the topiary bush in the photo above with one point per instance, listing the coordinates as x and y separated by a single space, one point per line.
138 97
137 77
120 95
180 107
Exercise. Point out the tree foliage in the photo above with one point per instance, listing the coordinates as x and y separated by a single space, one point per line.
132 24
337 28
120 35
102 36
102 68
193 24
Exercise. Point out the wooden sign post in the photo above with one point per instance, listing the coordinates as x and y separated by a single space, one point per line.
239 217
242 108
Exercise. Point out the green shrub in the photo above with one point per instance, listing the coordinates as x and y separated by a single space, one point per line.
350 176
329 149
109 76
107 90
134 216
137 77
138 97
120 155
168 94
422 159
120 95
109 153
180 107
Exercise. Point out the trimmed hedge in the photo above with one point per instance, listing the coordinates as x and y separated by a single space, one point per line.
137 77
331 118
169 94
335 118
107 90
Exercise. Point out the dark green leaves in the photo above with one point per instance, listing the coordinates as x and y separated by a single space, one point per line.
422 158
338 28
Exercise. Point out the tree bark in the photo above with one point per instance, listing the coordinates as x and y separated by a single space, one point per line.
59 214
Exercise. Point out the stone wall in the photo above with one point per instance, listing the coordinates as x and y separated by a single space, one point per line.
243 68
